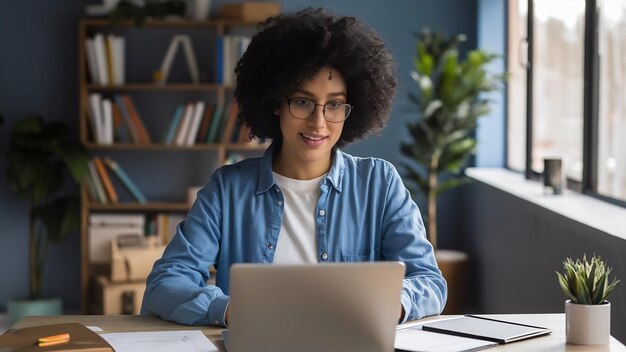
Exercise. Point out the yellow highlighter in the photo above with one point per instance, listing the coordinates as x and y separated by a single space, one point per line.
54 340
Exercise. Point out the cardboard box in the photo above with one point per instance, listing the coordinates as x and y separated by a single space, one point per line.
249 11
113 298
131 263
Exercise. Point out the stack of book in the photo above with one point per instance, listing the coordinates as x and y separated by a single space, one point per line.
116 119
106 59
198 123
101 187
230 49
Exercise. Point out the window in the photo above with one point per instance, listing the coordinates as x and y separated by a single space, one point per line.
567 91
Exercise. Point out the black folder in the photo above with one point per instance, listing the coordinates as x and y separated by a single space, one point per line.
483 328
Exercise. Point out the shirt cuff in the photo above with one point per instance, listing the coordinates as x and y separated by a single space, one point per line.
217 311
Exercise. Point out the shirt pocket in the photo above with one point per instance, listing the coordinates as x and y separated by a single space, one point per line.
355 258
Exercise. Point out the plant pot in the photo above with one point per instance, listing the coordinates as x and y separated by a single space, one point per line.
18 309
587 324
453 266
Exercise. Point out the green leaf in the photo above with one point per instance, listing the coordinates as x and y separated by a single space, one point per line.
60 217
451 183
74 157
563 282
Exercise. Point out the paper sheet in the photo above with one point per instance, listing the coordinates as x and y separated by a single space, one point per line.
162 341
415 339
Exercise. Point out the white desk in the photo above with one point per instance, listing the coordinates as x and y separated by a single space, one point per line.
554 342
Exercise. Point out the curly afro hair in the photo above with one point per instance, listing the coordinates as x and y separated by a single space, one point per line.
292 47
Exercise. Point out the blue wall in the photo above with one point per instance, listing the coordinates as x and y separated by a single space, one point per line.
38 74
491 132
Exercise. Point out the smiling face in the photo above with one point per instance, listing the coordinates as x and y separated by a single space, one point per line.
308 143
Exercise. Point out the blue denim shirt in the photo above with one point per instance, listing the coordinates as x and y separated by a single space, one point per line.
364 213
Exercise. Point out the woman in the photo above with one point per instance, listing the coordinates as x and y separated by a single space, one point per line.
312 82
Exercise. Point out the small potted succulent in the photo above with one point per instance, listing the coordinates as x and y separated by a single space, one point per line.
587 312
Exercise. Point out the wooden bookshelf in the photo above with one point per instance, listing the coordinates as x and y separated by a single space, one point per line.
215 92
155 87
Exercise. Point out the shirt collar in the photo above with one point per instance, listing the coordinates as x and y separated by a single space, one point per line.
266 179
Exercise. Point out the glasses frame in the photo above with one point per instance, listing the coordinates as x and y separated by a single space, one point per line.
289 100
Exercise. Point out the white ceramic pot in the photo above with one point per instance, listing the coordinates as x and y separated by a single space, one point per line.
587 324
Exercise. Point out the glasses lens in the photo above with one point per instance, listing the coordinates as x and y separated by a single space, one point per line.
301 108
336 112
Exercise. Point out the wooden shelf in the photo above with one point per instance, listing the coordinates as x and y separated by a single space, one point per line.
182 23
164 147
151 206
157 87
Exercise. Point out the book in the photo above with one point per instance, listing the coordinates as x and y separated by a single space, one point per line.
171 131
95 114
101 59
134 134
92 65
95 180
216 120
91 189
106 181
119 53
190 56
488 329
204 126
126 181
194 124
135 119
120 130
81 339
107 122
181 133
108 46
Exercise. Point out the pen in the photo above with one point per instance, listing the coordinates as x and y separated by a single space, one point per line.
53 340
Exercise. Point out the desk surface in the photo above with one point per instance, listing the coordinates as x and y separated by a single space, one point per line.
128 323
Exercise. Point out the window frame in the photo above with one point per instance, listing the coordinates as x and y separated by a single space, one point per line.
591 97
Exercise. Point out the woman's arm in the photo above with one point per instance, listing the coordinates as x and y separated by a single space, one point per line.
424 290
176 288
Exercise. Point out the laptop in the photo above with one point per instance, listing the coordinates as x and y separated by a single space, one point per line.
314 307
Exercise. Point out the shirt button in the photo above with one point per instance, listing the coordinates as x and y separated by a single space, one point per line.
322 212
270 246
324 256
216 322
277 190
280 203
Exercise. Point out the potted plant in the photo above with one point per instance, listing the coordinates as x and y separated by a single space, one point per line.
450 98
587 312
40 155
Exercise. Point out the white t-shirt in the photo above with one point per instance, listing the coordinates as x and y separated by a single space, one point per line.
297 240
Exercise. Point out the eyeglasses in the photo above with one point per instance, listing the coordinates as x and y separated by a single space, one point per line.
303 109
